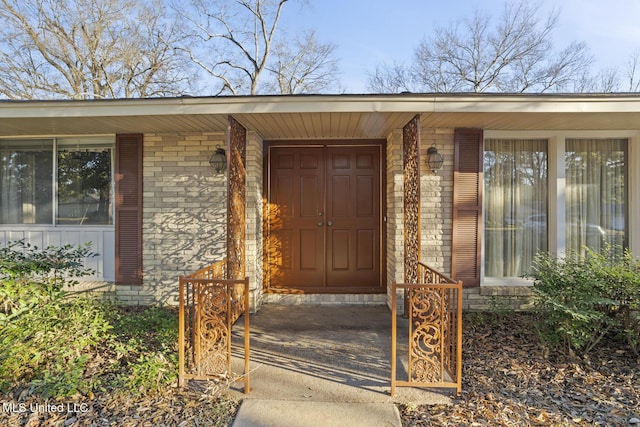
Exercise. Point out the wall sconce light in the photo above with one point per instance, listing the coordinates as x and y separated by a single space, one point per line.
434 159
218 160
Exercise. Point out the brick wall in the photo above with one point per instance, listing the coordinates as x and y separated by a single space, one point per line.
437 225
184 212
436 200
395 217
497 298
254 253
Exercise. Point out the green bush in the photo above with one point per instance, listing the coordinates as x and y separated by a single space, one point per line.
55 344
48 348
32 277
580 300
45 336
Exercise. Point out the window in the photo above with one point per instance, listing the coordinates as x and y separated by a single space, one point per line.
596 175
515 204
26 191
84 184
80 192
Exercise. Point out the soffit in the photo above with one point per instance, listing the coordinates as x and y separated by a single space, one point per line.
318 117
110 125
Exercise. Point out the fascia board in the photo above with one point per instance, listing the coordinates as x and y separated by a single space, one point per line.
551 104
321 104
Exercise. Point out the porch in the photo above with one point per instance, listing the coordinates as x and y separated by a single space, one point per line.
312 343
325 353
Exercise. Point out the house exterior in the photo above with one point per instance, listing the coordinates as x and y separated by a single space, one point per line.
325 198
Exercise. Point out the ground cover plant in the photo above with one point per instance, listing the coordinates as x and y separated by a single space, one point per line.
94 360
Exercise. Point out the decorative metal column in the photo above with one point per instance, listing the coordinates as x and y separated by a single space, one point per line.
236 199
411 174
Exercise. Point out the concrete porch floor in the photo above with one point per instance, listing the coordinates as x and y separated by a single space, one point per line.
326 353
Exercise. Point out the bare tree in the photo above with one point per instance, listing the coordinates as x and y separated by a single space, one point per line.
233 40
85 49
605 81
304 65
632 72
613 79
394 78
481 54
238 45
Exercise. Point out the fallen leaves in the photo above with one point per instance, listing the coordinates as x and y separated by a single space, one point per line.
509 379
204 406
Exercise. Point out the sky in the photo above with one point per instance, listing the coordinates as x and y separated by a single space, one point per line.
371 32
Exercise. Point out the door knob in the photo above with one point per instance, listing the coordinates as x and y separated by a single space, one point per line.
320 223
329 223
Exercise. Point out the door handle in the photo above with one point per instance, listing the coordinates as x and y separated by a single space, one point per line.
329 223
320 223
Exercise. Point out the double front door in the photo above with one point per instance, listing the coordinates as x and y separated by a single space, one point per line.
324 218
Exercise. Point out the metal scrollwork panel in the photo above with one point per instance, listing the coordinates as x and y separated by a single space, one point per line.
411 166
425 355
213 333
236 200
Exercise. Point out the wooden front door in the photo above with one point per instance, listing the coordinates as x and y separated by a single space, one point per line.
324 218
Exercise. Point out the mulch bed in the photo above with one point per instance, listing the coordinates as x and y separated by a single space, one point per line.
509 379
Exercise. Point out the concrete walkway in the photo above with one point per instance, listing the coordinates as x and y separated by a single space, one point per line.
322 365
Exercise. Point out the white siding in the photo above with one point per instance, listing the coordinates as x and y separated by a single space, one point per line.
102 242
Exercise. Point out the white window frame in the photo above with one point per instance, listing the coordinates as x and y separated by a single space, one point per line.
102 141
556 204
101 235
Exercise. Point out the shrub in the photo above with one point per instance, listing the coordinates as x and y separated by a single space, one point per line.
56 345
44 336
33 277
582 299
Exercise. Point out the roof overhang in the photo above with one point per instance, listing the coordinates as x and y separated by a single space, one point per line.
321 116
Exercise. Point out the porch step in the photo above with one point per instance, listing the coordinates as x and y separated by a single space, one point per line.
277 413
325 299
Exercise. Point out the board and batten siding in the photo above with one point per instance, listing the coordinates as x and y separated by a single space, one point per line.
102 239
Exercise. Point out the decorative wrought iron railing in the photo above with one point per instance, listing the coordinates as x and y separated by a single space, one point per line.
209 306
434 311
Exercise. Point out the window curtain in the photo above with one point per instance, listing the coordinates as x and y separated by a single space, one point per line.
595 193
26 191
515 205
